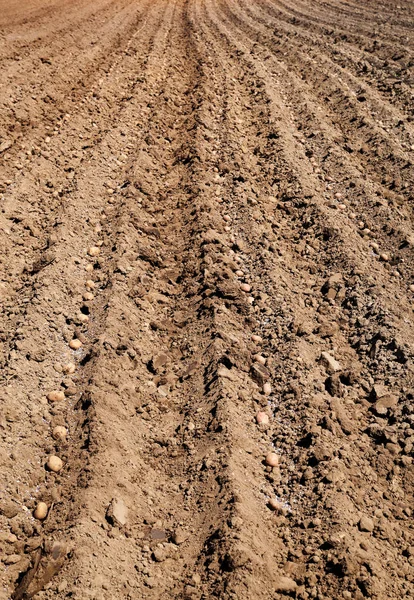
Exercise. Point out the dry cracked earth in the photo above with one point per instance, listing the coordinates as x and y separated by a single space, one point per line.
206 283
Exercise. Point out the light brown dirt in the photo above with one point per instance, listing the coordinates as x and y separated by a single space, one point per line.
156 156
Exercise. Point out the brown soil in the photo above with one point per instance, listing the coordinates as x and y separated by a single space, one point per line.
186 185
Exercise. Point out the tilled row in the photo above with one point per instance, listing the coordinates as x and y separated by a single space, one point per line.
315 218
49 316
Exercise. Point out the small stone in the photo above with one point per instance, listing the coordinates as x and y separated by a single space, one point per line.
267 389
54 463
158 534
69 369
56 396
87 296
272 459
59 432
259 373
245 287
41 511
257 339
366 524
71 390
276 506
378 391
329 362
94 251
117 512
262 418
260 359
75 344
384 257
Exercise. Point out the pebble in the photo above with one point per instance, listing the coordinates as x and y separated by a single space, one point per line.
90 284
75 344
259 373
412 288
272 459
59 432
94 251
331 365
69 369
275 505
245 287
384 257
267 389
88 296
262 418
257 339
117 512
54 463
40 511
56 396
158 534
260 359
239 273
82 318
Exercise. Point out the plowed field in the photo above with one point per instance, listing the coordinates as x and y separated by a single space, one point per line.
206 299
